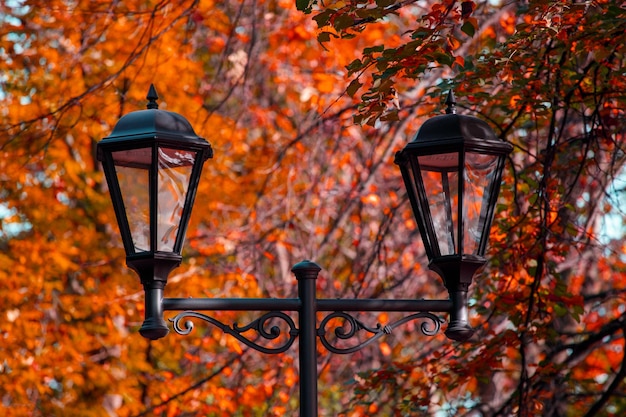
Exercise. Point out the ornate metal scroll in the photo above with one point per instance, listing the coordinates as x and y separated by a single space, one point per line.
260 325
428 328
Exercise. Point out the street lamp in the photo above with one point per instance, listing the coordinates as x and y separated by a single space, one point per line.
152 163
452 171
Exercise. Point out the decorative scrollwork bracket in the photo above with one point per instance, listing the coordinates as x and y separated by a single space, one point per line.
429 328
260 326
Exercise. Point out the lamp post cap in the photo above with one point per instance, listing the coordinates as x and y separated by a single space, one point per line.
306 265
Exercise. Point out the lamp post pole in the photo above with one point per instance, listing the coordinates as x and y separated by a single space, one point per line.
306 274
153 160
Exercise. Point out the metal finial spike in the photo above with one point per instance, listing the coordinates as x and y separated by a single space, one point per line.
451 103
152 98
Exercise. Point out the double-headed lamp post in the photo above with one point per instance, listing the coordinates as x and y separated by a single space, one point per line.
452 171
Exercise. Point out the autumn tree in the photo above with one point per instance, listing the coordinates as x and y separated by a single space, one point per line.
305 104
548 76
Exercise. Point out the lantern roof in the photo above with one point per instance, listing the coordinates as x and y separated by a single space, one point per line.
455 128
153 123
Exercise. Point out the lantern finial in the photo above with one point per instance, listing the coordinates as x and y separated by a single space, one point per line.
451 103
152 98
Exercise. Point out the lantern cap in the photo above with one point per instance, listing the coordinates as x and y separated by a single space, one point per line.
155 124
455 129
455 126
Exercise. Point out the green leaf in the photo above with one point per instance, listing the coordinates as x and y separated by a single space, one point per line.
343 22
442 58
577 312
354 66
468 29
325 37
353 87
571 229
372 49
560 310
421 33
305 5
389 72
371 14
323 18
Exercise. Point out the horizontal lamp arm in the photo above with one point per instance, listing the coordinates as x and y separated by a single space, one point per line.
294 304
435 306
231 304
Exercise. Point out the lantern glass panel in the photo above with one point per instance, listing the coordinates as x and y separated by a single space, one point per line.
174 171
440 175
480 170
133 175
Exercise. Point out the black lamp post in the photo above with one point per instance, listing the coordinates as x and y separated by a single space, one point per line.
452 170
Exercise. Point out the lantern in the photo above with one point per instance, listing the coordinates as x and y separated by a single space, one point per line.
152 162
452 172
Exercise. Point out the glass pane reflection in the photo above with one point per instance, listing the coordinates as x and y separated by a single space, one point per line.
440 175
479 172
132 168
174 172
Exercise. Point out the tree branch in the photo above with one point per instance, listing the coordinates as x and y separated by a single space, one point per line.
617 380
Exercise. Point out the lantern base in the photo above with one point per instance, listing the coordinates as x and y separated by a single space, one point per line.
459 331
457 271
154 328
